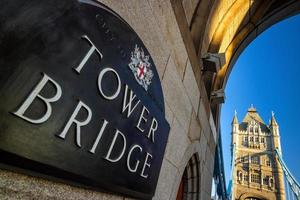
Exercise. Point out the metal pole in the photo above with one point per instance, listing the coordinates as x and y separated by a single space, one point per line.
287 187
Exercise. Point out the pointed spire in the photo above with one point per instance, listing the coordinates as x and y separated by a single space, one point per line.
235 119
273 120
252 108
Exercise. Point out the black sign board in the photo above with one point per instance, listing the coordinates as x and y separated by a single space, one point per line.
81 100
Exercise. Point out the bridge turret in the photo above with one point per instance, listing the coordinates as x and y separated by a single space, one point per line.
274 128
235 129
274 125
254 164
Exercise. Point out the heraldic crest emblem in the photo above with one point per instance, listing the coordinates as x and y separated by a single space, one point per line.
141 67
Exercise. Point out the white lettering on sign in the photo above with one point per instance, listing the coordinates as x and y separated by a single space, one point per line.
36 94
100 77
128 105
108 155
142 117
88 54
136 146
78 123
152 129
92 150
146 164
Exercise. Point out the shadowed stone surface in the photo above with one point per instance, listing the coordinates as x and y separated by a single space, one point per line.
19 186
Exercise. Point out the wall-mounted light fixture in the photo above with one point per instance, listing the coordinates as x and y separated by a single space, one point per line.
217 96
213 62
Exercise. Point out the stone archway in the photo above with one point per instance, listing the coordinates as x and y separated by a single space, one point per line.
189 187
247 196
252 198
231 37
224 27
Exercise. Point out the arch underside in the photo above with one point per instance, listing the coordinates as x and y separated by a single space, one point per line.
251 196
223 26
265 15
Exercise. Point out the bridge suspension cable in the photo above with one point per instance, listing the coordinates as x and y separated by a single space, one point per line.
292 182
230 188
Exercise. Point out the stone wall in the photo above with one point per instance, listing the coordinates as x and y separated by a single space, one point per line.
192 128
177 33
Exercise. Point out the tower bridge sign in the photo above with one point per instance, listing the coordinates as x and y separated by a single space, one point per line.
81 100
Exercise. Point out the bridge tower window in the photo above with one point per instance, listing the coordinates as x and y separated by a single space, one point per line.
268 163
246 177
251 129
271 182
266 180
255 160
255 178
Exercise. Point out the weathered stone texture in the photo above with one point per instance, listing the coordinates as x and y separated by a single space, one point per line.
166 20
203 147
19 186
189 9
166 179
191 86
195 128
204 119
177 143
176 96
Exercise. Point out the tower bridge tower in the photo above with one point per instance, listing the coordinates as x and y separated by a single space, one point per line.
257 173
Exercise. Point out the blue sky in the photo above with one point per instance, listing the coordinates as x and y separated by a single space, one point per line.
267 75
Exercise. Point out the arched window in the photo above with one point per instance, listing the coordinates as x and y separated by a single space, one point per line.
240 175
271 184
255 178
245 140
189 187
255 159
251 129
266 180
251 139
